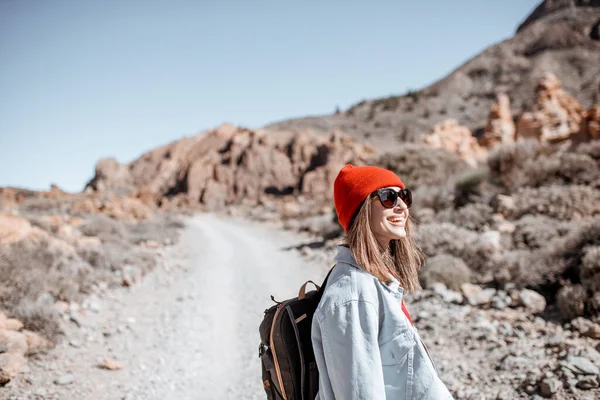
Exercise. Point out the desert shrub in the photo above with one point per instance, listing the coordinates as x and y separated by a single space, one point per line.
106 228
590 268
24 269
591 148
560 168
112 257
449 270
467 186
446 238
162 229
42 205
530 163
443 238
417 165
506 161
536 231
561 202
571 300
432 197
473 216
40 316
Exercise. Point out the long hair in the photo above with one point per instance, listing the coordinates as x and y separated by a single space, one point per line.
403 257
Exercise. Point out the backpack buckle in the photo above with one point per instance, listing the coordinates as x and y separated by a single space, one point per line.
262 349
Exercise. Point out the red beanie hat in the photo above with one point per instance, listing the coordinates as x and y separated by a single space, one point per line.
354 184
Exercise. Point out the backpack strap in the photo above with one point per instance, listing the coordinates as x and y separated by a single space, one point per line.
322 288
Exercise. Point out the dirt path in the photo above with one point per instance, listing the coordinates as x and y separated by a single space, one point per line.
189 330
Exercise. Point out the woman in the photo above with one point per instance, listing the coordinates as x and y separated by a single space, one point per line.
364 342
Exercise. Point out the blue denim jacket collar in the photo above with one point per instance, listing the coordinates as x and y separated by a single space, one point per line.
344 255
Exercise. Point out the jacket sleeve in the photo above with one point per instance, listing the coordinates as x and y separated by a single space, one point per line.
351 350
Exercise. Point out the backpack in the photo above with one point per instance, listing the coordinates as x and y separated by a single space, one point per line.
289 369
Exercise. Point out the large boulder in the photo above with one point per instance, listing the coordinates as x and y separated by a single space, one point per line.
451 136
555 116
500 127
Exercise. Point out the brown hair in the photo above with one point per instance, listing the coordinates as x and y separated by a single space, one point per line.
403 257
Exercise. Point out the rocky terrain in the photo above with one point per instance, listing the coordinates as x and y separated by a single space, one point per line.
502 155
56 249
560 37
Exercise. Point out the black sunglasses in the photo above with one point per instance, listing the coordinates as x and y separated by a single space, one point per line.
388 197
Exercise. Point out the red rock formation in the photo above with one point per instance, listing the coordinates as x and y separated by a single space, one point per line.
555 116
451 136
500 127
229 164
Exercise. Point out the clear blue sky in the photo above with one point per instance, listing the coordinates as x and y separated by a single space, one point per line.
87 79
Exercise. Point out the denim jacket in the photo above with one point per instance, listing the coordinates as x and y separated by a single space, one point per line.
364 345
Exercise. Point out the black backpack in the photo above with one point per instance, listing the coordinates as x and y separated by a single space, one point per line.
289 369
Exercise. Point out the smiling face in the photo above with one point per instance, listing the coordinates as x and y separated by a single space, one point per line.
388 223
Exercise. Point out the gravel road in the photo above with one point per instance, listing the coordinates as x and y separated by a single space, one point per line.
188 330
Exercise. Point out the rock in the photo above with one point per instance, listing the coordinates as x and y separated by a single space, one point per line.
549 387
451 136
111 364
590 126
503 204
11 324
10 364
65 379
500 127
13 229
587 382
131 274
475 295
587 328
15 342
35 343
532 301
555 116
581 366
448 296
41 392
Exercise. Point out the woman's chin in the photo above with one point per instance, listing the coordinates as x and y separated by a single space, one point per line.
398 233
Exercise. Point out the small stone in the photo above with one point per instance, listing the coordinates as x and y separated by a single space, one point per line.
532 301
549 387
13 324
111 364
581 366
66 379
10 365
587 382
475 294
41 392
75 343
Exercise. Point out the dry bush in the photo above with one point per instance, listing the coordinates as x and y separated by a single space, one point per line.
40 316
590 268
530 163
447 238
591 148
162 228
43 205
449 270
571 301
536 231
473 216
436 198
468 187
419 165
565 261
106 228
560 202
506 161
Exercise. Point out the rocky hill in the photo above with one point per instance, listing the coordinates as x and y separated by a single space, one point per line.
559 37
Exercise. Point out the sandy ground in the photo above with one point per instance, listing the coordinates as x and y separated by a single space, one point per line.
189 330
